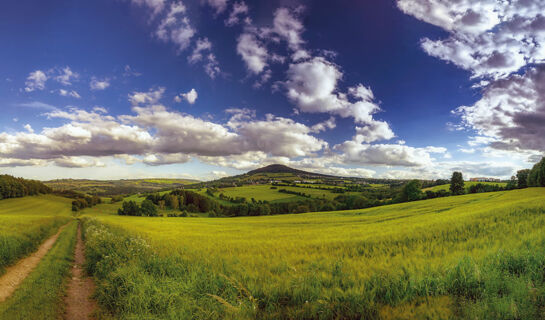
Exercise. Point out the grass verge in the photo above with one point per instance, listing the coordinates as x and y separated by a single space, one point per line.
40 295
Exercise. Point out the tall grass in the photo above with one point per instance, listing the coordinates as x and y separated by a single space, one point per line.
477 256
26 222
40 294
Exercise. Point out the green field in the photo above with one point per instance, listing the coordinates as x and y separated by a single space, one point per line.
467 184
26 222
258 192
478 256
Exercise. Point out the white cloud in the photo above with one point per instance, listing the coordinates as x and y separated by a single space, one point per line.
69 93
510 113
66 76
35 81
175 27
78 162
288 27
28 128
97 84
490 38
240 9
190 96
163 159
218 5
253 52
151 97
323 126
201 46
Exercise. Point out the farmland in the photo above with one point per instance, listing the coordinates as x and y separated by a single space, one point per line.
471 256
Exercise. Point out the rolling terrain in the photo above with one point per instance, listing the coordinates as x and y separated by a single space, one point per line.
471 256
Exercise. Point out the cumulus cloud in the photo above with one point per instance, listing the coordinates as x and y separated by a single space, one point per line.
176 27
35 81
190 96
312 86
203 52
97 84
253 52
239 10
66 76
218 5
69 93
323 126
511 112
151 97
290 28
489 38
78 162
162 159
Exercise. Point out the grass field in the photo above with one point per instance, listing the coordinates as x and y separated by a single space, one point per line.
26 222
40 295
467 184
478 256
265 193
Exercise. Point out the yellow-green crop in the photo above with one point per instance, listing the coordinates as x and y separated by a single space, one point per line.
473 256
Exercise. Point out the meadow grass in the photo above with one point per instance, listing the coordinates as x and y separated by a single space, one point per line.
258 192
40 295
478 256
26 222
467 184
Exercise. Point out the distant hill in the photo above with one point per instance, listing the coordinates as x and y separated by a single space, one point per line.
114 187
279 168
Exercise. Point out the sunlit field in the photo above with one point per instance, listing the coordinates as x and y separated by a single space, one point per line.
478 256
26 222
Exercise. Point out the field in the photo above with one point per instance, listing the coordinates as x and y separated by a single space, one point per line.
478 256
26 222
467 184
113 187
265 193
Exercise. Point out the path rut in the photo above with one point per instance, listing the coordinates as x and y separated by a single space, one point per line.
17 273
78 301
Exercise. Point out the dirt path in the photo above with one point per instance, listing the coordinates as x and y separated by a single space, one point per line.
78 301
17 273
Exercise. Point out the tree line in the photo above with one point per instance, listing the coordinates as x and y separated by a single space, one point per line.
12 187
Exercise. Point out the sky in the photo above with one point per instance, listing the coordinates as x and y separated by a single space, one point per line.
113 89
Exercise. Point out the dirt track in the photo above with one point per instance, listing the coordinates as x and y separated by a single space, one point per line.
78 301
17 273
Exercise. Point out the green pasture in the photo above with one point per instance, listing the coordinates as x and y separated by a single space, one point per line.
467 184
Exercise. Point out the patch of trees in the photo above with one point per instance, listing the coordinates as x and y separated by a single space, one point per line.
85 202
131 208
11 187
536 176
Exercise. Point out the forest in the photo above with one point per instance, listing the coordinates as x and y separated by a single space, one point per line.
12 187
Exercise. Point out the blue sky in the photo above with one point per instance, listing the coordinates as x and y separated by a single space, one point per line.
157 88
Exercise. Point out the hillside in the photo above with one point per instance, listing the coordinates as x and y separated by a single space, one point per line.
113 187
462 257
467 185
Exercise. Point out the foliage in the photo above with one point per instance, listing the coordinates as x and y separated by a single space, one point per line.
522 178
457 183
536 177
11 187
411 191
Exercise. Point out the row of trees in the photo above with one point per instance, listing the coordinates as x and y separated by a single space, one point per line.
81 201
11 187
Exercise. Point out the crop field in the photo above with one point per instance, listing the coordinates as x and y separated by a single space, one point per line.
467 184
26 222
477 256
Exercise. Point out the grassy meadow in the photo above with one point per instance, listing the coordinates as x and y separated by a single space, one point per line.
26 222
477 256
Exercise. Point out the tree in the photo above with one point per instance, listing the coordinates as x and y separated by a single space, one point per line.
148 208
522 178
457 183
411 191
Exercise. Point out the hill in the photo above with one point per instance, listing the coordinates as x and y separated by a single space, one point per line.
279 168
115 187
464 257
